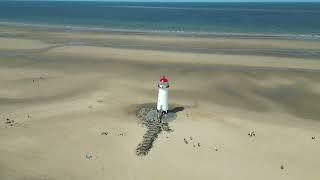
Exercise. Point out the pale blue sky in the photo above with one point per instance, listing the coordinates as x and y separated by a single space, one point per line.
191 0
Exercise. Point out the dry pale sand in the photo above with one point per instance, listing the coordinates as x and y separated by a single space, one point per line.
63 89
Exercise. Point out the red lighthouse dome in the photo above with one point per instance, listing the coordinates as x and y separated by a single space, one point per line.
163 79
163 82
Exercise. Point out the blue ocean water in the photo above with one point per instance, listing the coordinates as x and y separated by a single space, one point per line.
301 19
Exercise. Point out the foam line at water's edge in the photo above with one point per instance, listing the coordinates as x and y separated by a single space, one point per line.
166 32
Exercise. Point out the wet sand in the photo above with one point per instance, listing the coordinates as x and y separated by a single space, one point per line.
63 89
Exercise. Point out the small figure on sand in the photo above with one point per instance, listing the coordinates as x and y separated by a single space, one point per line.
8 121
105 133
252 133
185 141
198 144
281 167
313 138
122 134
190 138
88 156
215 148
99 101
160 114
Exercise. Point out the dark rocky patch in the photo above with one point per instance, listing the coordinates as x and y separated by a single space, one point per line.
149 119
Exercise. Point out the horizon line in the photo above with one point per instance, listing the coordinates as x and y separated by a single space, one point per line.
148 1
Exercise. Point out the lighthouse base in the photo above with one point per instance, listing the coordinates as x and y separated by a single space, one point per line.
163 112
166 116
160 114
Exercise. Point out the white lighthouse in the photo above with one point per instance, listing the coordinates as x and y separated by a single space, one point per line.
162 105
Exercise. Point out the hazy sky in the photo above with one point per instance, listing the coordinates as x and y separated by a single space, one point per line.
217 0
194 0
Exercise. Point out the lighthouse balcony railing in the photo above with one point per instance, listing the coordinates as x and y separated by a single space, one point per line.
163 85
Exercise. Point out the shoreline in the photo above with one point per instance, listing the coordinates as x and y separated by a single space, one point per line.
177 33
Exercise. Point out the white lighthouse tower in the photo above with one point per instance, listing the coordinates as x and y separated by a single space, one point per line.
162 105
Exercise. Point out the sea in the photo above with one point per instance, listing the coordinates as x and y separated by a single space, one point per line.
295 20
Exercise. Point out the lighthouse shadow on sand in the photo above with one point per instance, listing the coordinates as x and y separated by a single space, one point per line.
176 109
172 114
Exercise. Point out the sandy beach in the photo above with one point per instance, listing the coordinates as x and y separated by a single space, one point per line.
61 89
